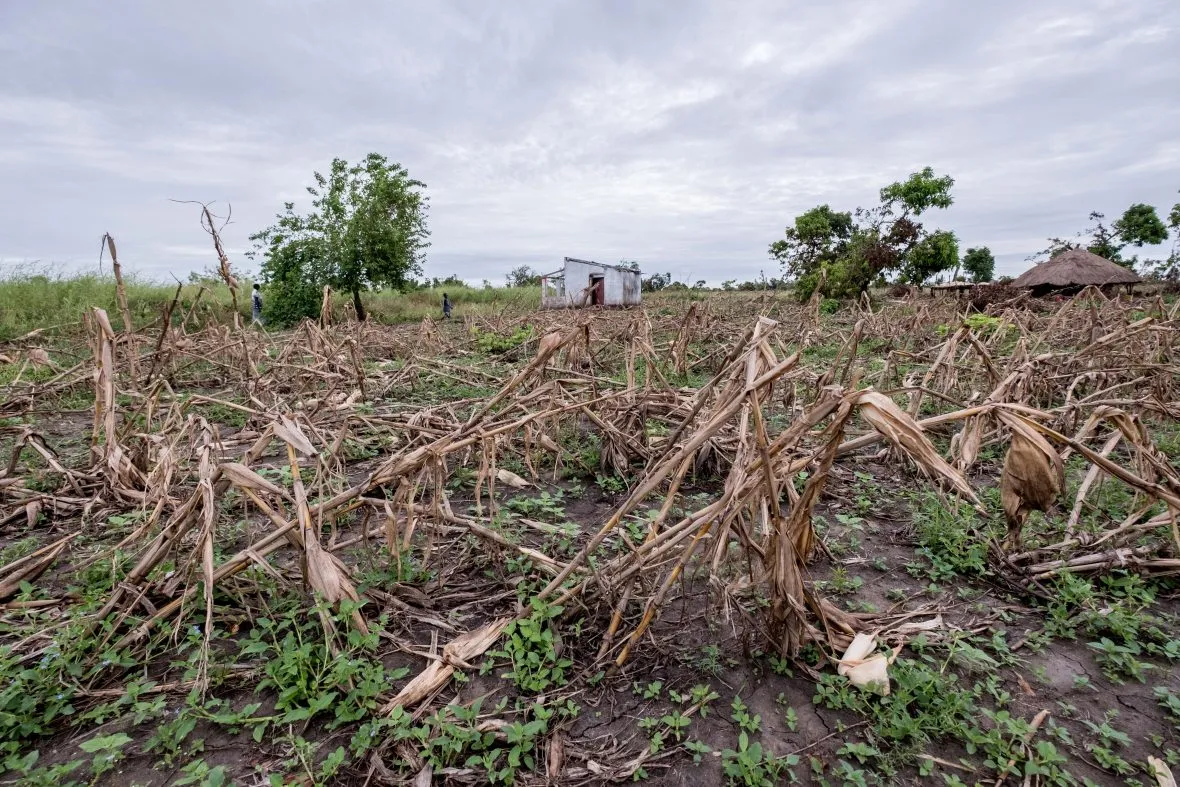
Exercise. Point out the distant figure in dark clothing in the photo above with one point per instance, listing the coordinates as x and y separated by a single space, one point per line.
446 306
256 304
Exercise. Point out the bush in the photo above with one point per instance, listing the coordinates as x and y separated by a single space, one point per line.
829 306
287 302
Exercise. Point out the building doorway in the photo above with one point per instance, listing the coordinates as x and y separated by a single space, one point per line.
597 289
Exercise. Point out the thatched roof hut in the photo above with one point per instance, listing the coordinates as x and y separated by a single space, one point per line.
1072 270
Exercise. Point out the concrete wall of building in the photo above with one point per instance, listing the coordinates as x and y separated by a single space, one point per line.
620 287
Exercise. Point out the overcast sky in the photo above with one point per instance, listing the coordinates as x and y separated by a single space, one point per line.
684 135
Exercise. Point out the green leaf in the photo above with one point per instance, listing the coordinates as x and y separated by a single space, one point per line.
113 742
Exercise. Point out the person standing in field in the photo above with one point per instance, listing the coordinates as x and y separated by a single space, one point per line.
446 306
256 305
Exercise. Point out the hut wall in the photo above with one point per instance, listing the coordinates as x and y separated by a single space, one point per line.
620 287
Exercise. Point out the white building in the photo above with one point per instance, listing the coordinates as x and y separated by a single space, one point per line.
584 283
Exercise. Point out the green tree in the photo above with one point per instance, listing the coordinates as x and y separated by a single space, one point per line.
655 282
918 193
817 236
844 256
1170 268
979 264
523 276
1140 226
936 252
366 229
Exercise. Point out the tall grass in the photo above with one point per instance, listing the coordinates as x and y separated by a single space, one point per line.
412 306
56 302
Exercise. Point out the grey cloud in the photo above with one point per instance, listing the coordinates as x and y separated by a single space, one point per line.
684 135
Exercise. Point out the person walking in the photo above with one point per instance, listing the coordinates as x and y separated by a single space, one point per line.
256 305
446 307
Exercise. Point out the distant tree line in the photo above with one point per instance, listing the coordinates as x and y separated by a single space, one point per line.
366 229
842 254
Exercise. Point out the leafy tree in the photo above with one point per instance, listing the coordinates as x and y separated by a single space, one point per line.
523 276
918 193
366 229
817 236
844 255
1169 269
935 253
1103 241
979 264
1139 226
449 281
655 282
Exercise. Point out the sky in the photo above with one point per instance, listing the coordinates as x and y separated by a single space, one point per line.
684 135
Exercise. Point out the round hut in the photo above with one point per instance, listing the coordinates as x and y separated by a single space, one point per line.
1073 270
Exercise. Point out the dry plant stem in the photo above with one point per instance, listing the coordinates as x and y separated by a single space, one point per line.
31 566
1091 476
652 533
121 297
656 476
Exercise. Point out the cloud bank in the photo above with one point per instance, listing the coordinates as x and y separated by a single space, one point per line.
682 135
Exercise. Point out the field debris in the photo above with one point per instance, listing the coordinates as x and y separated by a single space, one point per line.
220 467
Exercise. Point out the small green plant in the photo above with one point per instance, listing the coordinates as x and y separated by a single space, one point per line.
791 716
1169 702
310 673
842 583
198 772
649 692
676 723
982 323
698 750
488 342
741 714
545 506
107 751
946 538
701 696
611 484
748 765
530 645
1118 660
709 660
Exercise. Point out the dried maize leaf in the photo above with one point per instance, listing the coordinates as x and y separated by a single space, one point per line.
458 653
905 434
549 342
1033 474
289 432
244 477
864 668
511 479
969 441
28 568
1161 772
